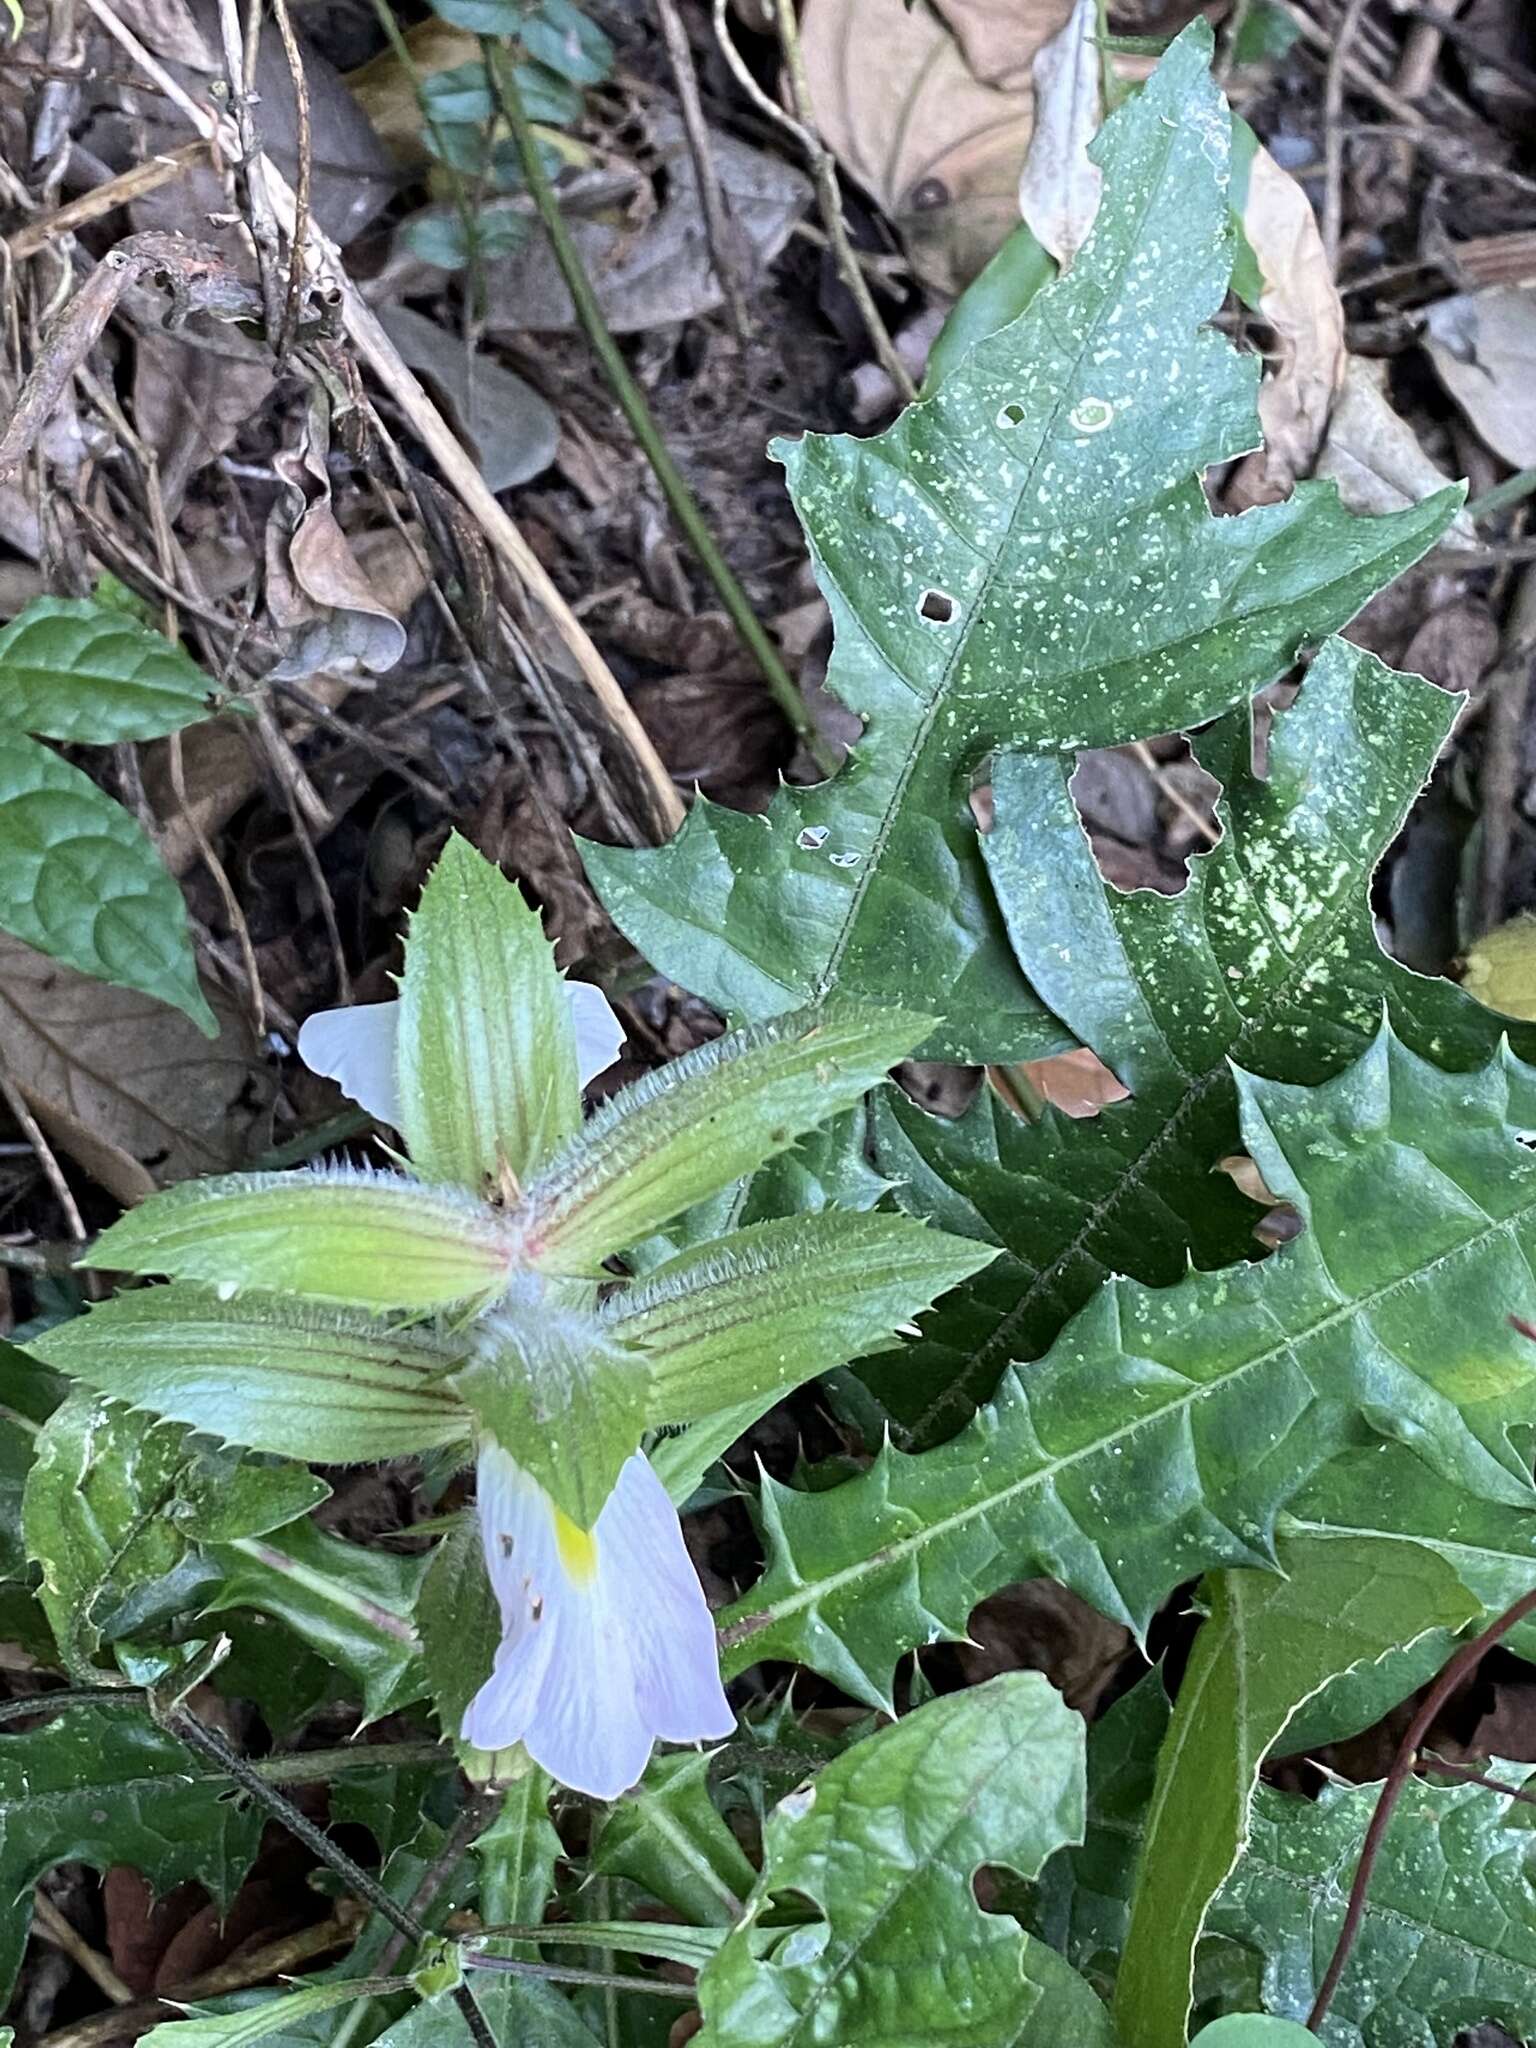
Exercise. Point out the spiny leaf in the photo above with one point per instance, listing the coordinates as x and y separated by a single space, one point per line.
72 669
668 1836
104 1786
1268 1644
339 1234
1268 957
517 1855
115 1504
1024 559
487 1050
279 1375
1449 1934
755 1314
1386 1491
81 883
883 1845
352 1606
1165 1430
707 1119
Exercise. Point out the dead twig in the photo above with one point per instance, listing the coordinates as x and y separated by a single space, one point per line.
823 170
304 139
378 352
54 1927
721 232
106 198
1333 129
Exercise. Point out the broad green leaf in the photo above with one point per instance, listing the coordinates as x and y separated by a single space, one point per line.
1449 1935
1386 1491
1165 1429
565 1395
460 1626
72 669
256 2022
878 1855
279 1375
757 1313
1268 957
105 1786
338 1234
29 1393
487 1049
1254 2030
1026 559
1268 1644
564 37
703 1121
517 1855
114 1505
81 883
518 2013
483 17
668 1837
351 1606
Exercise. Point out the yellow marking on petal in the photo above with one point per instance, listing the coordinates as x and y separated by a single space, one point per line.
577 1548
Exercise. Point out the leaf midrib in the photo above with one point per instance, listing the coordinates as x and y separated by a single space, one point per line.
871 868
896 1552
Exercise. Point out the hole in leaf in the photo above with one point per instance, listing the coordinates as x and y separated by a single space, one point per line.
1012 415
1146 810
936 605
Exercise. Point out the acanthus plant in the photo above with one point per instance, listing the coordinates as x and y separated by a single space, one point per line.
463 1303
1112 1392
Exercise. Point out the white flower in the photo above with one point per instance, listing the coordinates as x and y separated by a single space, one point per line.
355 1047
607 1643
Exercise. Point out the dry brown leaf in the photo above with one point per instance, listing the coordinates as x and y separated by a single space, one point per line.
662 271
1374 456
1060 185
508 427
130 1089
1484 346
1301 303
1077 1083
317 591
190 400
928 137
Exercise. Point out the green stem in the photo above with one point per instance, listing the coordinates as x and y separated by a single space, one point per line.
1513 491
683 504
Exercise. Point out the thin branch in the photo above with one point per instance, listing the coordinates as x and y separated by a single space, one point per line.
1465 1661
829 198
684 506
1333 130
381 356
720 231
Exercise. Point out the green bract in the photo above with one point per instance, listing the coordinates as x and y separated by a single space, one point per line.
278 1331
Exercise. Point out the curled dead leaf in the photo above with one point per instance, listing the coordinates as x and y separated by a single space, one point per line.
1374 456
1301 304
1077 1083
317 591
938 142
1060 185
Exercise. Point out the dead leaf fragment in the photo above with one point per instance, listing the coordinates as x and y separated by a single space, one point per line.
129 1089
511 431
1484 346
1374 456
663 271
938 141
1060 185
317 590
1301 303
1077 1083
